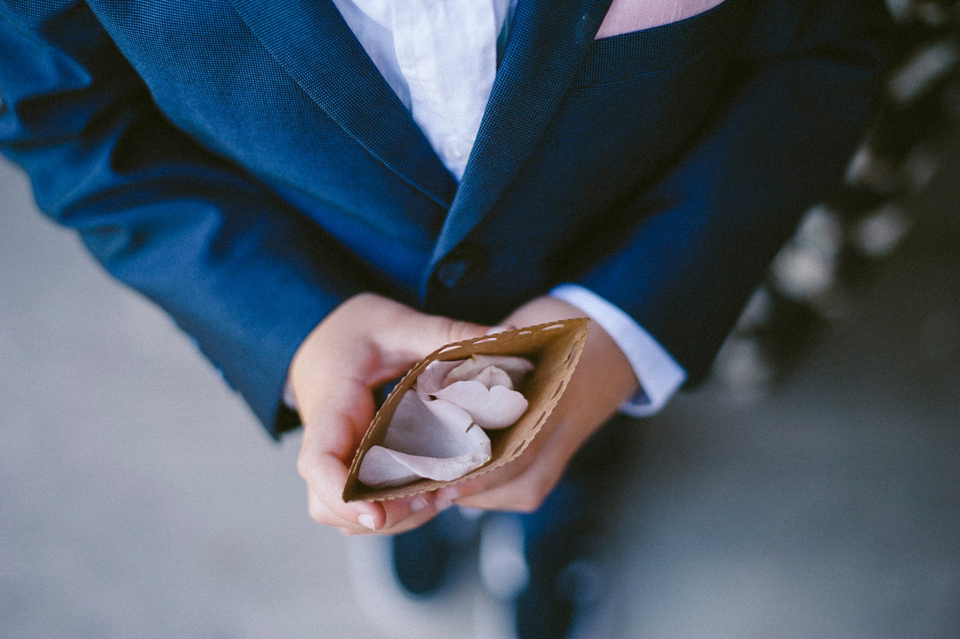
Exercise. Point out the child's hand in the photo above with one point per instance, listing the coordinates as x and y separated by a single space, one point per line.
366 341
602 380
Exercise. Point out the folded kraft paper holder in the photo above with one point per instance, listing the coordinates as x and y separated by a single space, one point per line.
553 348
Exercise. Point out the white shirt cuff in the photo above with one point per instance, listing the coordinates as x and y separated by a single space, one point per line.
660 376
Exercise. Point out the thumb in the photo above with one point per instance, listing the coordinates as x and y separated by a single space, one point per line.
420 334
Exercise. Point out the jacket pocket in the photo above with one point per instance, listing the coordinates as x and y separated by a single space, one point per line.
623 57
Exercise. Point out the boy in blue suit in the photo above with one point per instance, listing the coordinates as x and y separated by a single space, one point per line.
258 170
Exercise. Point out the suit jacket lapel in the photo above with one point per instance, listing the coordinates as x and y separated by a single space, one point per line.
548 41
310 40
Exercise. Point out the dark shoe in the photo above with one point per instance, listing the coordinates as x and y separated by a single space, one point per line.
569 604
420 560
422 556
560 592
544 564
565 578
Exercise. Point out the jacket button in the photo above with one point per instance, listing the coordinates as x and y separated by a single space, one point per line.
451 272
466 262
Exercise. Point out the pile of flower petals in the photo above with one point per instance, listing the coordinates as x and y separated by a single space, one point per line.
437 430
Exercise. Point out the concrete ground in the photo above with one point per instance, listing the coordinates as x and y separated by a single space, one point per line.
139 499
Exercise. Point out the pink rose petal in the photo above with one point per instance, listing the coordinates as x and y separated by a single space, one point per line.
514 367
434 439
432 378
496 407
437 427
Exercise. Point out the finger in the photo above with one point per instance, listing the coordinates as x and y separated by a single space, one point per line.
405 511
505 474
399 510
523 494
412 517
466 491
322 515
415 513
326 475
415 335
524 487
330 475
331 433
413 520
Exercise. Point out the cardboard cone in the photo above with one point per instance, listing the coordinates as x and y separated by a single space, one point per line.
553 348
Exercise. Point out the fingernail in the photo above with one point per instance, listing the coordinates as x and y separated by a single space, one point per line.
366 520
446 497
418 504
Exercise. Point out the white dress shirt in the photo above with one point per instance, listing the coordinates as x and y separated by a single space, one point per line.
440 58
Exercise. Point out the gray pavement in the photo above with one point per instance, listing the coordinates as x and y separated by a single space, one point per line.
138 497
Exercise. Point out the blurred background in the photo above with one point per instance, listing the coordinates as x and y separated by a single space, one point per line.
810 489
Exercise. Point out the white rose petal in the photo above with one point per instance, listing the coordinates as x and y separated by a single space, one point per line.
434 439
434 375
382 467
437 427
514 367
493 376
496 407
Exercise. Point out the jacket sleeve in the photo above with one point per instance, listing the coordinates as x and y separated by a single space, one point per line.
236 267
799 103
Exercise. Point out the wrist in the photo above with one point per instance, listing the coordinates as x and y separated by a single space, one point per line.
603 367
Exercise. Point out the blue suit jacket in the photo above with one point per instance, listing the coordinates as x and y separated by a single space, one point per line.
243 163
